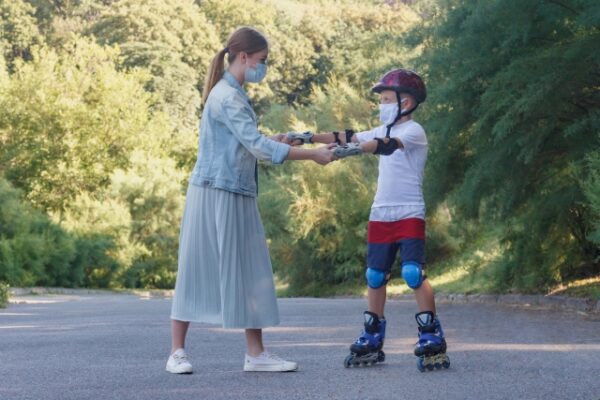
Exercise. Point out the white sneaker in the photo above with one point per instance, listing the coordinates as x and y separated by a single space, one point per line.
179 363
266 362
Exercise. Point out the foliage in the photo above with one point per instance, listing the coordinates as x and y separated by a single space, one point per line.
318 238
3 294
173 40
516 102
591 188
318 216
152 190
69 119
18 30
99 108
33 250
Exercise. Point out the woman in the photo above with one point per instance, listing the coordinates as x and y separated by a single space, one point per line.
225 274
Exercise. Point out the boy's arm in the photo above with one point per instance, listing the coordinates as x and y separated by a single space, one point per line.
375 146
341 138
347 143
381 146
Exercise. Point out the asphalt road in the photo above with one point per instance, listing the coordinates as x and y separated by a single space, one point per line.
116 346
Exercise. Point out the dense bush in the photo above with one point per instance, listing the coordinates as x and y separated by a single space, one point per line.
33 249
3 294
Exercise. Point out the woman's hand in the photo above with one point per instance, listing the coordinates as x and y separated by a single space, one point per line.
324 155
280 138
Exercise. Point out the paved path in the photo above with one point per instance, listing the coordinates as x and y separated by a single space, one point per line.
115 347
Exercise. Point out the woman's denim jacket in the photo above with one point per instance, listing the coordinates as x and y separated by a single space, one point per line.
230 142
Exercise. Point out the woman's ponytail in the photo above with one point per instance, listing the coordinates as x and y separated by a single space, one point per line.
214 74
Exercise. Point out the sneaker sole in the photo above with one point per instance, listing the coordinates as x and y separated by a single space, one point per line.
267 368
179 373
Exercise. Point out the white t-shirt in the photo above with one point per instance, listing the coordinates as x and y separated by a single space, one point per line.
400 183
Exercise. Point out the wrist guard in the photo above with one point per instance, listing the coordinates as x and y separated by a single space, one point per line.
351 149
304 137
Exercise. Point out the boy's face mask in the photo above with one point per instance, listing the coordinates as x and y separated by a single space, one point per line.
388 112
255 74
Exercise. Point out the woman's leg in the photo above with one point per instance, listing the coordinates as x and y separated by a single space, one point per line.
178 333
254 343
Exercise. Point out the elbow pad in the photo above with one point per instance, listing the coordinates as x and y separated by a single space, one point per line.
385 149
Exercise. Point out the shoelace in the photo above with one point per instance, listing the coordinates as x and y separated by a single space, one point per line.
180 358
273 357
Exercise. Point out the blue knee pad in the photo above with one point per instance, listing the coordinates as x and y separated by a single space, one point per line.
375 278
412 272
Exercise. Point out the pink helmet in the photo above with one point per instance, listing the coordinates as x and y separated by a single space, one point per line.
402 81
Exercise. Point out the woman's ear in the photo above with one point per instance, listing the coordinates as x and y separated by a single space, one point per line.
243 56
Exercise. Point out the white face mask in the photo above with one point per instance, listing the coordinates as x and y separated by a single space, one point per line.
388 112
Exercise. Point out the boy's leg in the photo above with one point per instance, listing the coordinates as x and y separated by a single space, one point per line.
367 349
376 300
425 298
431 346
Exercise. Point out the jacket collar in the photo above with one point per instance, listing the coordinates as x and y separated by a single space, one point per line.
234 83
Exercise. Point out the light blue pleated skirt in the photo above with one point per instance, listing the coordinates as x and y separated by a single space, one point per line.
224 274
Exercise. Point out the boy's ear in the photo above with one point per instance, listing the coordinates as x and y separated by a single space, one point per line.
410 100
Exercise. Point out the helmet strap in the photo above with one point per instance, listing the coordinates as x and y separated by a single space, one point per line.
398 117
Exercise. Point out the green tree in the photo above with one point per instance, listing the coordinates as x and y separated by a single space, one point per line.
592 192
69 119
18 30
513 111
173 40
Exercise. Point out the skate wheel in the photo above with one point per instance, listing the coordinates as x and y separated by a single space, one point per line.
437 365
429 367
348 361
446 364
381 356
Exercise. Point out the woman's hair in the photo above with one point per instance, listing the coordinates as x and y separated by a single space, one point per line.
244 39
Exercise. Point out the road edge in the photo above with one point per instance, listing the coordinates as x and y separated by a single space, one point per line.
565 303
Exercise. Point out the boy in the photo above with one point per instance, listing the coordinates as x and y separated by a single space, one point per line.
397 219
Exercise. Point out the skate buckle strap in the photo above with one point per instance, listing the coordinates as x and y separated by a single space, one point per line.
425 318
367 338
428 337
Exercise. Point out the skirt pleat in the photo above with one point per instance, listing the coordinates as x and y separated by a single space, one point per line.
224 274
